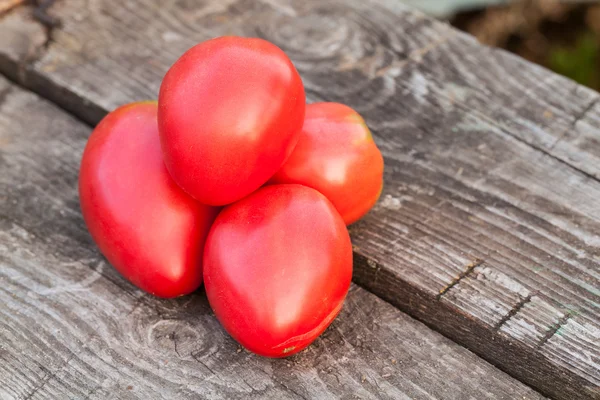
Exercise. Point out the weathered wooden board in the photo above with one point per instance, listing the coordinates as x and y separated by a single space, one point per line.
71 327
547 111
488 227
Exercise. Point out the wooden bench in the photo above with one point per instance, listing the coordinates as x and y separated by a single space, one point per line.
488 229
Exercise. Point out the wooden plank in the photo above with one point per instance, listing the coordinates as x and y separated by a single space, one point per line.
518 228
488 225
71 327
547 111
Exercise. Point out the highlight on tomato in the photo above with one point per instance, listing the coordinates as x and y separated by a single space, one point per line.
145 225
277 267
230 112
337 156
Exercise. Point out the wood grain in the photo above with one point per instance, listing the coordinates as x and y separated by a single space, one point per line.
551 113
71 327
488 227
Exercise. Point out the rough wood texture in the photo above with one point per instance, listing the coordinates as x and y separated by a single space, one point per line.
71 327
488 227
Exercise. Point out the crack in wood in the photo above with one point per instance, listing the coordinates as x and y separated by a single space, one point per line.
577 118
49 22
547 152
517 307
5 93
40 13
38 387
197 358
415 56
467 271
291 389
174 340
554 329
584 112
93 391
49 375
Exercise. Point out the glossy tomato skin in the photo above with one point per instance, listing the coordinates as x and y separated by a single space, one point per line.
277 267
230 113
337 156
144 224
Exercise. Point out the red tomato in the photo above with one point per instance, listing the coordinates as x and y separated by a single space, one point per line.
146 226
277 267
230 112
337 156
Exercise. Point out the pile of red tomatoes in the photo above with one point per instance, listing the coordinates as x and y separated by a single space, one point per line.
232 180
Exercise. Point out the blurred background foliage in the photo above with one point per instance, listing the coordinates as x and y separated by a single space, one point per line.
562 35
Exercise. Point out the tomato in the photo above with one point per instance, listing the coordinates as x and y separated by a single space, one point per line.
230 112
277 267
146 226
337 156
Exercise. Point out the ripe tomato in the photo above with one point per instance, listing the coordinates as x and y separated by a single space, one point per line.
337 156
277 267
146 226
229 112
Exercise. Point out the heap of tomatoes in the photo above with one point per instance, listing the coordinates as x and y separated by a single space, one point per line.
232 180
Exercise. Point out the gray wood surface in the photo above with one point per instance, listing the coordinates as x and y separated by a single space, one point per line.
488 227
71 327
